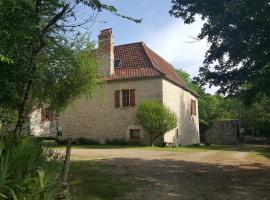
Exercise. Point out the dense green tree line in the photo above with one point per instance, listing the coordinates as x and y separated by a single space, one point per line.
213 107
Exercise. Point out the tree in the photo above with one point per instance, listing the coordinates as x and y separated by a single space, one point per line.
238 59
254 117
155 118
48 65
190 83
257 117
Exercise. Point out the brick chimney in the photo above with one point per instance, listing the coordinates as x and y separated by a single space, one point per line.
105 52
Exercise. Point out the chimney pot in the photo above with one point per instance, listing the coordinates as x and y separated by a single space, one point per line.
106 32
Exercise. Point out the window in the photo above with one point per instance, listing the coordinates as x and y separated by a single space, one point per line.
125 98
193 108
135 134
117 63
47 115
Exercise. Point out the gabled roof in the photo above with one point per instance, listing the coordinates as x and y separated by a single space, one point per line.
139 61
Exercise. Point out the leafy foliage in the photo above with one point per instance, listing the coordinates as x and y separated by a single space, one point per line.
257 117
216 107
66 73
43 56
238 32
155 118
25 172
190 83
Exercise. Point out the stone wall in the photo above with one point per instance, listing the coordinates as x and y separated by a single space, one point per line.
222 132
179 101
98 119
41 128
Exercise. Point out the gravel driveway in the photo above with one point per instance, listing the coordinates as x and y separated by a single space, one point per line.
162 175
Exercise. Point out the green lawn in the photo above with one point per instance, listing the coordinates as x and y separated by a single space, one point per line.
91 180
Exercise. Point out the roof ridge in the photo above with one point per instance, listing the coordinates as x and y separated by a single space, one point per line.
145 48
141 61
128 44
170 67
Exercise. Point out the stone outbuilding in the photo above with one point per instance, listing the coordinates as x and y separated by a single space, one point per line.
223 132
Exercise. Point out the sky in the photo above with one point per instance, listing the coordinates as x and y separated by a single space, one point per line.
166 35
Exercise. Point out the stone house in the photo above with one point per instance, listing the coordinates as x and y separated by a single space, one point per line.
132 73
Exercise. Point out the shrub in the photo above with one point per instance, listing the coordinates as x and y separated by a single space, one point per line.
26 171
86 141
116 142
79 141
155 118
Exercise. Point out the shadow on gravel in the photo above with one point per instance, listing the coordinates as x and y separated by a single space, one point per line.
190 180
167 179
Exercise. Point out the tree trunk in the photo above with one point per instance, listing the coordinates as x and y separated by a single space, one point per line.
22 108
153 139
67 161
36 47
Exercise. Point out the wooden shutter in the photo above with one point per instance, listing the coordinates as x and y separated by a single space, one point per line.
117 98
195 108
191 107
132 98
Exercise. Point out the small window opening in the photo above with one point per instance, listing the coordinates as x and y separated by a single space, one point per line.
135 134
117 63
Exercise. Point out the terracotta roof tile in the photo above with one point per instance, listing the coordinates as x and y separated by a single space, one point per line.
133 72
139 61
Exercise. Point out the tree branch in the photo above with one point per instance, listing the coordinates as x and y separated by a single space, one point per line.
53 21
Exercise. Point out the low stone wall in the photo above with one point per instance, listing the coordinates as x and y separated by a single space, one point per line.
256 140
222 132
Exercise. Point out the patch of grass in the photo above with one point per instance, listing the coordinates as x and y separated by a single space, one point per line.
93 180
254 150
264 152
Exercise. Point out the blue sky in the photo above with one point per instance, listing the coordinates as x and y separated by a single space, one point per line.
166 35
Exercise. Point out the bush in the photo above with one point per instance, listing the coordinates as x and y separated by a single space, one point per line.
79 141
155 118
85 141
116 142
26 171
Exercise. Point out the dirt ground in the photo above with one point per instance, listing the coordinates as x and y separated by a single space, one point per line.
206 175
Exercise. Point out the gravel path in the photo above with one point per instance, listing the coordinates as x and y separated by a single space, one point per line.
162 175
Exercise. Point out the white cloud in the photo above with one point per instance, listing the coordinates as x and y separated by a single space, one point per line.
176 45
